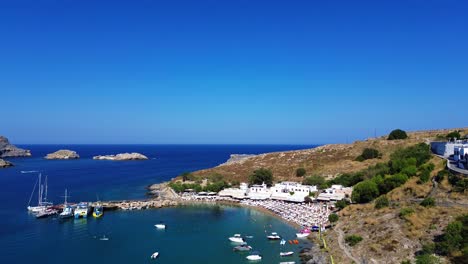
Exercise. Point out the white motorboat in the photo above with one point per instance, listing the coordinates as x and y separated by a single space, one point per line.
104 238
302 235
243 247
288 262
160 226
286 254
254 256
274 236
237 239
155 255
283 242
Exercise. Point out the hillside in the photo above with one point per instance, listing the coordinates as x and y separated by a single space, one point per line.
327 160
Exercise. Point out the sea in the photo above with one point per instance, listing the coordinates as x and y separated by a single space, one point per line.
194 234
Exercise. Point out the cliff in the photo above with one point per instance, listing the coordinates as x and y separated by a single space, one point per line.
9 150
5 164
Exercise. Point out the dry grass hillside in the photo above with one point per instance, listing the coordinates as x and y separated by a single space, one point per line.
389 237
327 160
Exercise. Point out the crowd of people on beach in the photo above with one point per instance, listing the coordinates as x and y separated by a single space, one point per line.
303 214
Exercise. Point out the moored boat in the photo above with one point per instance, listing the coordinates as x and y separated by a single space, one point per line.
154 255
161 225
243 247
254 256
82 210
236 239
46 213
274 236
286 254
98 211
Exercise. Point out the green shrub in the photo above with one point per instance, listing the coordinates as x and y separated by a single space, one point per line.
381 202
187 176
391 182
455 237
352 240
397 134
453 134
421 152
424 176
365 191
427 259
410 170
428 202
441 175
341 204
300 172
261 176
406 212
333 218
368 153
314 180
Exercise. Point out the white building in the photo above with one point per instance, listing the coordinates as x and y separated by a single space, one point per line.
291 191
259 192
237 193
460 155
335 193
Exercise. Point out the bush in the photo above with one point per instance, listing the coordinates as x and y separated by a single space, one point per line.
341 204
261 176
381 202
454 135
333 218
391 182
455 237
406 212
352 240
368 153
300 172
424 176
314 180
427 259
187 176
421 152
365 191
410 170
428 202
397 134
441 175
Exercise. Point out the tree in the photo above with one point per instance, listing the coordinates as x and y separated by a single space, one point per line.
454 135
428 202
261 176
314 180
300 172
397 134
333 218
381 202
365 191
187 176
368 153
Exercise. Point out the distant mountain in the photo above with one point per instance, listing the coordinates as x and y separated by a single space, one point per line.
9 150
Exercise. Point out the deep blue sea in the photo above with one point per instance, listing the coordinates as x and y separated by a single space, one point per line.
195 234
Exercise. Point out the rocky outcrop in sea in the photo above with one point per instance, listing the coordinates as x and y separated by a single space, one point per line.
5 164
9 150
63 154
122 156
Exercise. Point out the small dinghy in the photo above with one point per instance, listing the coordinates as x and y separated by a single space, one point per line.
286 254
104 238
155 255
254 256
283 242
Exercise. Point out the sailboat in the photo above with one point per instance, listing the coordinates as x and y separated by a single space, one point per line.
67 209
42 203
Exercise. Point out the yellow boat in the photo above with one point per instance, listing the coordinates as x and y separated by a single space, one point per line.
98 211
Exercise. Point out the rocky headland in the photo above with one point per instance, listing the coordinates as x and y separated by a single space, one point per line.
122 156
63 154
238 159
9 150
5 164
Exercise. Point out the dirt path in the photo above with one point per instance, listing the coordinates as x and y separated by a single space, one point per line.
342 244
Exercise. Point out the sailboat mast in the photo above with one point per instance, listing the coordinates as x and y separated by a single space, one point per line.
45 197
39 191
65 196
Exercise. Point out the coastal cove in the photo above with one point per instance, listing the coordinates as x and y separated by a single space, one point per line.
131 231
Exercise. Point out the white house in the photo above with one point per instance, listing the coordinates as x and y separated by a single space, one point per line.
335 193
259 192
291 191
237 193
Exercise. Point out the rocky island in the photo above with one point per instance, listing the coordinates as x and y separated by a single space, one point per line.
63 154
122 156
5 164
9 150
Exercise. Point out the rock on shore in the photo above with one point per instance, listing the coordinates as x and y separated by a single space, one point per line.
63 154
9 150
5 164
122 156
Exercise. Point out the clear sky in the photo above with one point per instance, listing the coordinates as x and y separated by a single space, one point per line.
294 72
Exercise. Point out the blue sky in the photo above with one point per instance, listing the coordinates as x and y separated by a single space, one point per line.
268 72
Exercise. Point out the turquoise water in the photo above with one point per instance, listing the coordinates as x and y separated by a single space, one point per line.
194 234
